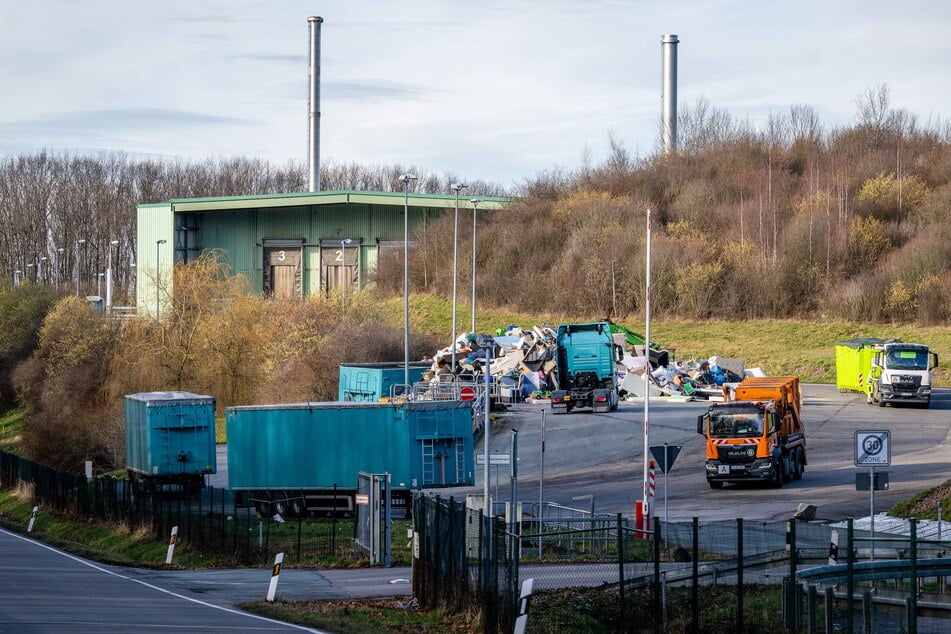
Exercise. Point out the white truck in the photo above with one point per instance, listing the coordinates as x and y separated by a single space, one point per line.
901 373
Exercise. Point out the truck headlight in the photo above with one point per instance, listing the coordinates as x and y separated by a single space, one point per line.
763 465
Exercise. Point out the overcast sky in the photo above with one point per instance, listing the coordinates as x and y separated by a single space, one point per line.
491 89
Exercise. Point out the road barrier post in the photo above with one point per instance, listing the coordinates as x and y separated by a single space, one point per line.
171 546
275 575
29 528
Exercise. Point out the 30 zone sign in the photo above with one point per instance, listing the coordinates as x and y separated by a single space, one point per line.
872 449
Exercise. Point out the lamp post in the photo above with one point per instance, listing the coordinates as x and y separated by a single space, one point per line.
158 261
343 272
59 254
78 243
455 266
475 207
406 178
39 269
112 243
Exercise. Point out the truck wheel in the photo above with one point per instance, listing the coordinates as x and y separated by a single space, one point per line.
715 484
797 465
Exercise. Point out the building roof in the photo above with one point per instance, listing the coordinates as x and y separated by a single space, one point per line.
214 203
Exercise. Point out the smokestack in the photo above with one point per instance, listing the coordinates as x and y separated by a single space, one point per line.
669 118
313 110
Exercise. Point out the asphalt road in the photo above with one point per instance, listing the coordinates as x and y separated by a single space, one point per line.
45 590
602 455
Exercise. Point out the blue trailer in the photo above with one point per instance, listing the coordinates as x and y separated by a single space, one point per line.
169 439
370 382
306 457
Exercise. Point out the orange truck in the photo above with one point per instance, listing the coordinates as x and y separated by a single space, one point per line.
756 434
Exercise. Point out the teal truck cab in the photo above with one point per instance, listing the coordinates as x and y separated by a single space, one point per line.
586 358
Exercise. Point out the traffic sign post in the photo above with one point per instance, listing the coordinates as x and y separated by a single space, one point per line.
467 394
873 449
665 456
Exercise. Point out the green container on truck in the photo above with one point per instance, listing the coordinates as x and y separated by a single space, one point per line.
370 382
306 457
169 439
586 358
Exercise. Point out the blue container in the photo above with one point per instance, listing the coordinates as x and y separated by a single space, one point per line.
320 446
369 382
170 437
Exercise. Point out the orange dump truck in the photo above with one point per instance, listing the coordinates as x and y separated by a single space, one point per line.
756 434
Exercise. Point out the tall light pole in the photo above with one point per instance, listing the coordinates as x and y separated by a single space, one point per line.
343 272
158 262
59 254
78 243
475 207
406 178
645 503
455 265
39 269
112 243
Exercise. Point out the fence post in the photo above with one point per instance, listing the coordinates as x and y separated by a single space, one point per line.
913 581
813 603
695 588
830 609
658 608
739 574
620 566
792 613
850 577
867 609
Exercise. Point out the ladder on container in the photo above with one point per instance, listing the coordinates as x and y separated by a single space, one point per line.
429 461
460 460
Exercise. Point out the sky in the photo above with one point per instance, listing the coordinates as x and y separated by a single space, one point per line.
491 89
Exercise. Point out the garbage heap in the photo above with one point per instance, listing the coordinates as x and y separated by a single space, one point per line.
523 366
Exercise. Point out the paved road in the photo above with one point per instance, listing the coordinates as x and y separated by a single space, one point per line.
45 590
602 455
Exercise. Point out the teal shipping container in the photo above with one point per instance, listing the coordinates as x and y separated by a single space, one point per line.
369 382
309 455
169 438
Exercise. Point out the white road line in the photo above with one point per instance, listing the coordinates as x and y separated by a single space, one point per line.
149 585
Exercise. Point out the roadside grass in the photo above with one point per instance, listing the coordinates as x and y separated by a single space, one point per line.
365 617
11 430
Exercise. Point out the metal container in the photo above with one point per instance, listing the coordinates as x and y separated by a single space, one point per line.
170 436
324 446
853 362
369 382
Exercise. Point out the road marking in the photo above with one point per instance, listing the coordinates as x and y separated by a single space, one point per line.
153 587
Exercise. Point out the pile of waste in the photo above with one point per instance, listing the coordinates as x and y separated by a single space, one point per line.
523 365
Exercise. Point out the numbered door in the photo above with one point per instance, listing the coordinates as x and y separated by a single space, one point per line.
340 267
282 272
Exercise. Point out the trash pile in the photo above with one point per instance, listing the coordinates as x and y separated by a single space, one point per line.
523 366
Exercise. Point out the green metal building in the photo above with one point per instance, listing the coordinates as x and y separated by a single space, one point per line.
287 245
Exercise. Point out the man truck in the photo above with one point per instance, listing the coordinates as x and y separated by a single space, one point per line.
586 358
901 373
757 434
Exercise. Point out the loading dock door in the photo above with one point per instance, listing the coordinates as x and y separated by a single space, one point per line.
339 265
282 272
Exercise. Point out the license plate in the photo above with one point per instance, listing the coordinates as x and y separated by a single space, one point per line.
723 468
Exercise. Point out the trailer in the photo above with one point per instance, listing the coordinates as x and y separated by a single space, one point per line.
169 440
370 382
304 458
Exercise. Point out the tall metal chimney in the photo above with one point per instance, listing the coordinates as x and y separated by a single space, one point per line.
669 118
313 109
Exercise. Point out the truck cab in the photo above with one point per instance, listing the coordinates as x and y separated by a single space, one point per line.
901 373
586 358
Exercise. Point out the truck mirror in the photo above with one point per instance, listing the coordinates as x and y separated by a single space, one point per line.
618 353
934 361
700 424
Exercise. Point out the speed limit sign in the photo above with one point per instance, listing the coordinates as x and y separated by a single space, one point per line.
872 449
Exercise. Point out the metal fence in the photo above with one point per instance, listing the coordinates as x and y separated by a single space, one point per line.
213 523
678 577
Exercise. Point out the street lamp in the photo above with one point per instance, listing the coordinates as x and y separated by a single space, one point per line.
343 272
158 256
406 178
78 242
39 269
112 243
455 264
475 207
59 253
